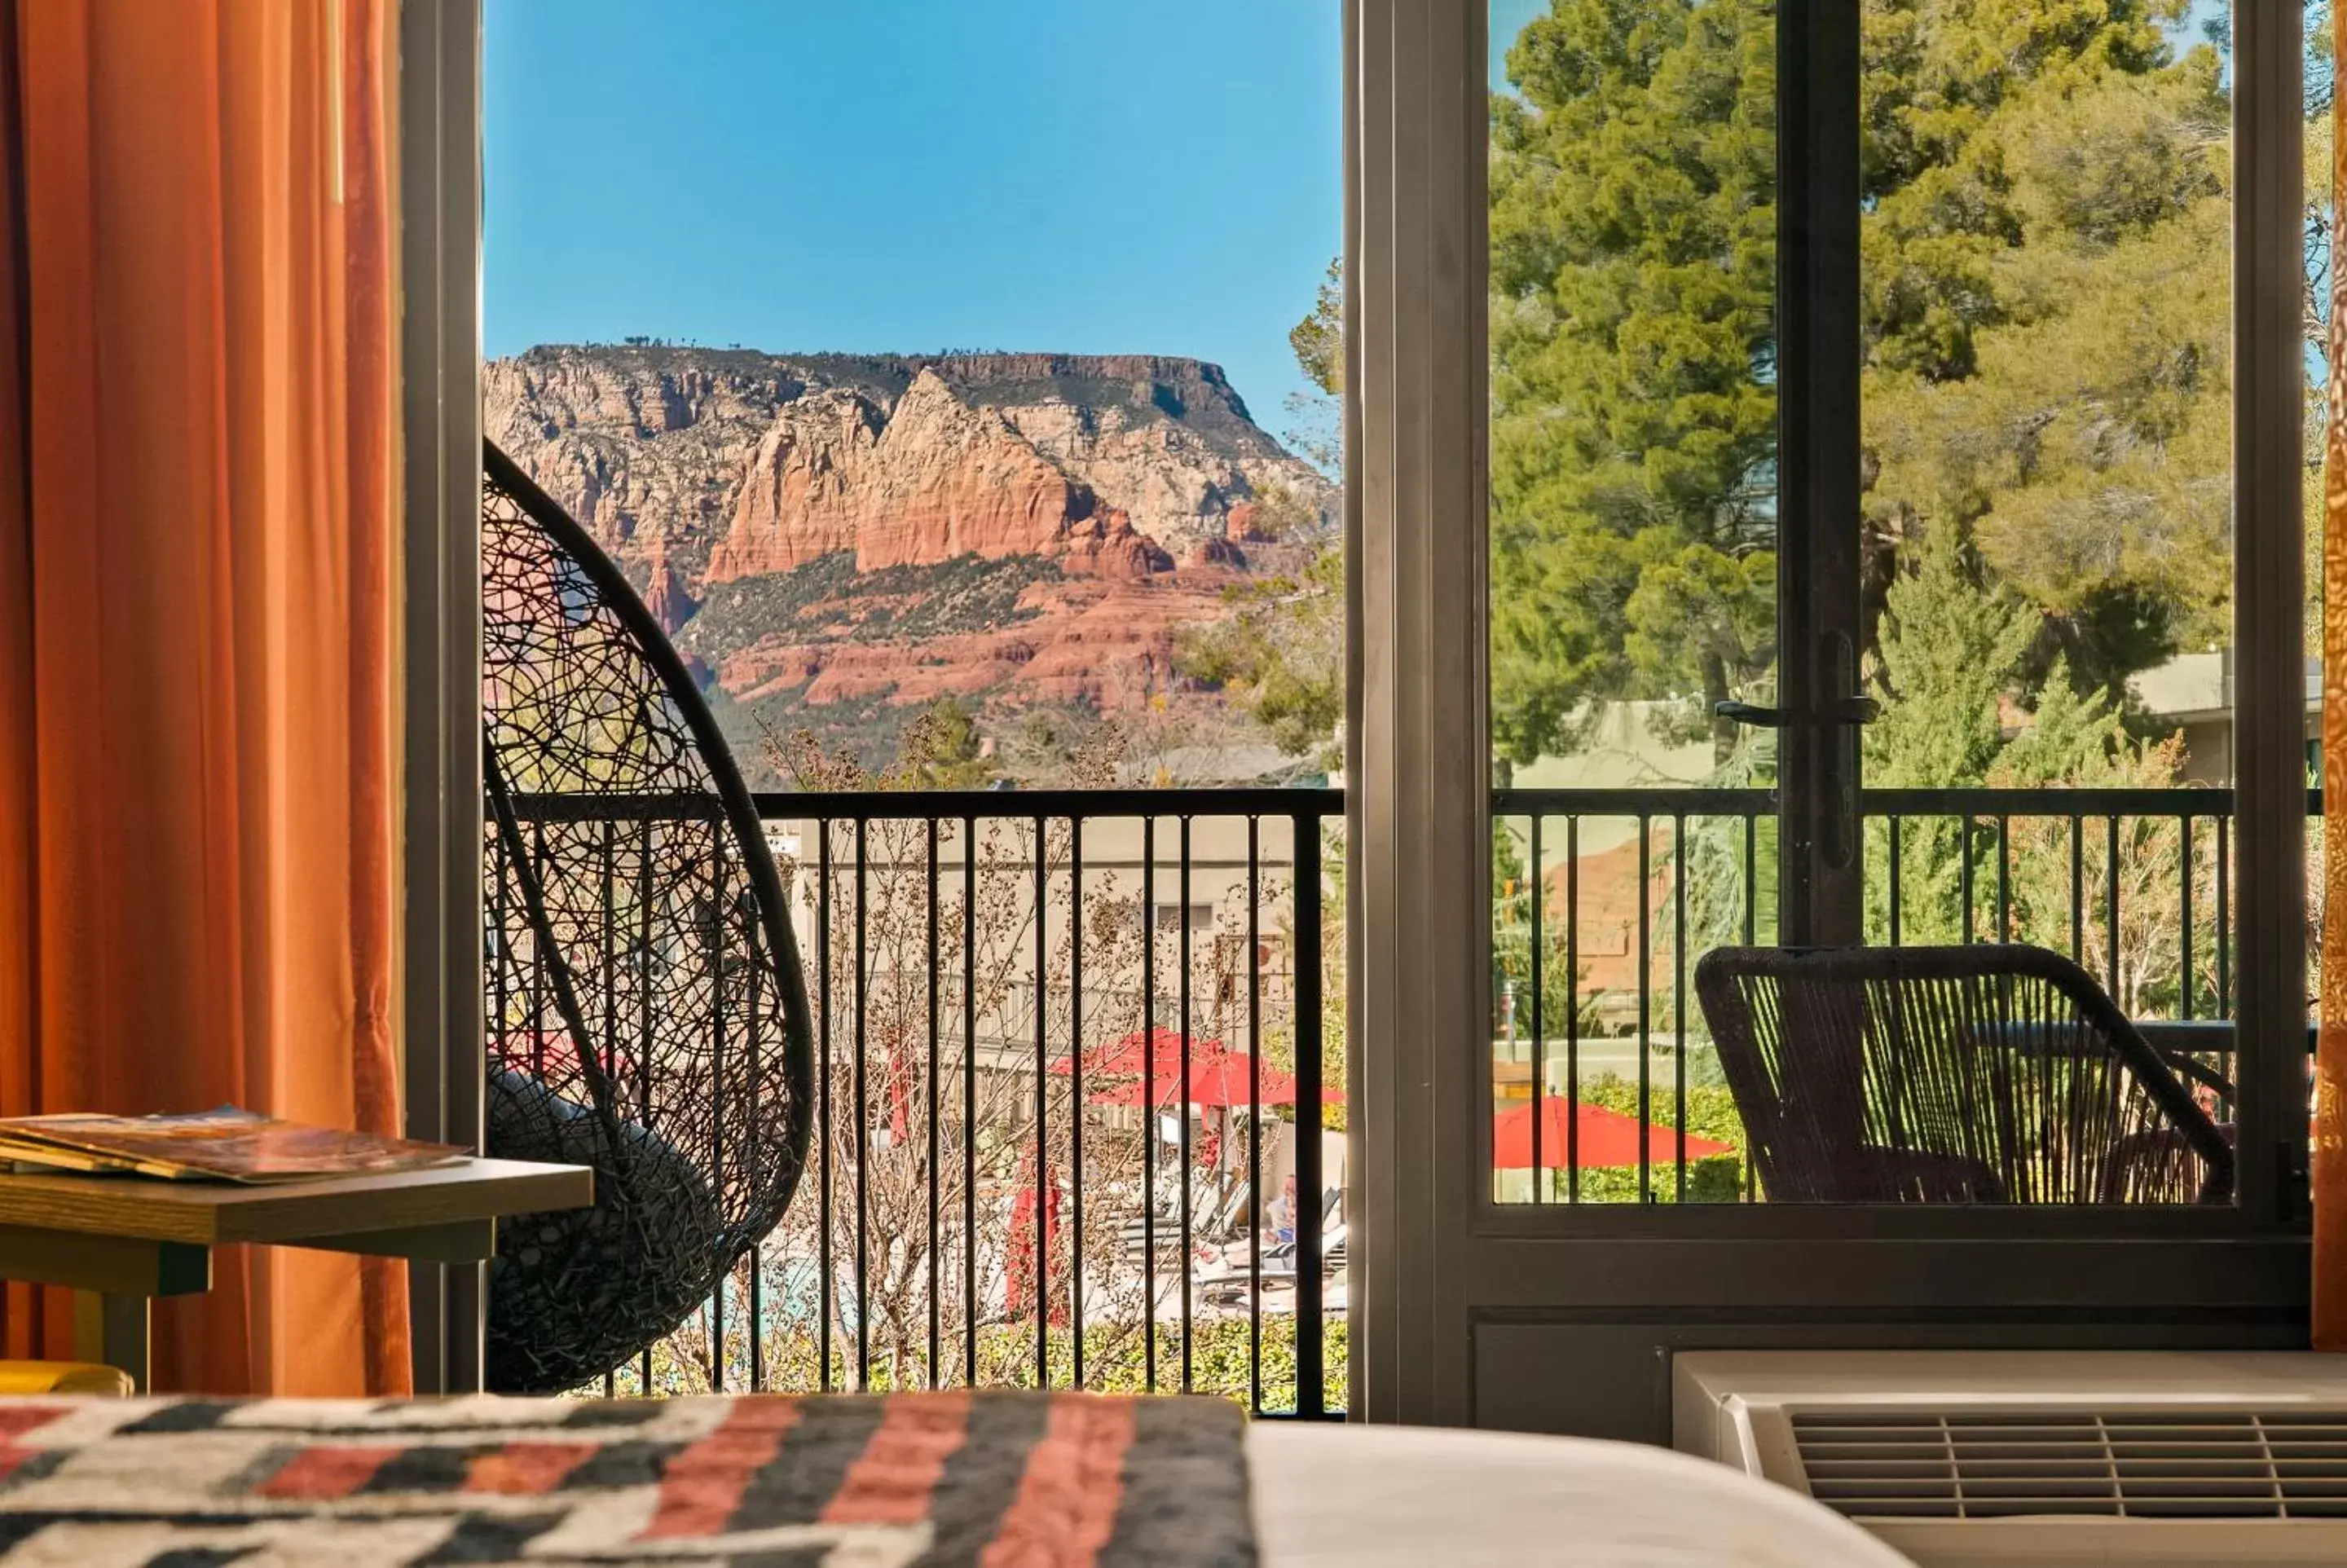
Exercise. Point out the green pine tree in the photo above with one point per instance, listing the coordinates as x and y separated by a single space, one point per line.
1949 656
942 748
2045 324
1632 245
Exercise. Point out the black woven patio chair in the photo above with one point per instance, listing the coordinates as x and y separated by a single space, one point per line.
1979 1074
645 1010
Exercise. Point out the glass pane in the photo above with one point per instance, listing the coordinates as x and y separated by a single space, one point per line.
2046 413
1075 1070
2048 464
1633 572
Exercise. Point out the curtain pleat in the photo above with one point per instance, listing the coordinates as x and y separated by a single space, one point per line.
197 800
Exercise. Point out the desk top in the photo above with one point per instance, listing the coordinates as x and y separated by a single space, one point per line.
217 1213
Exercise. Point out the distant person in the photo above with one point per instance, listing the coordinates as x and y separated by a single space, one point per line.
1282 1213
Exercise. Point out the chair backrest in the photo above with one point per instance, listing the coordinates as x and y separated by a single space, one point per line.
1982 1073
645 1009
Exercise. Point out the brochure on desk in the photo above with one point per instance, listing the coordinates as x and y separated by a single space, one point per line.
227 1144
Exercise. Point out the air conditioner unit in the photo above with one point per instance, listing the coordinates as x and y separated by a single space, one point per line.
2041 1459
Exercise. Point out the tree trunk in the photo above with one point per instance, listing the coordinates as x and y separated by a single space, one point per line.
1714 692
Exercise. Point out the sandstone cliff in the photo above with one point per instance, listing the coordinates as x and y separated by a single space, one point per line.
797 522
929 480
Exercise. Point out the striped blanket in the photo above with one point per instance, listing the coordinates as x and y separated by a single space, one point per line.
997 1479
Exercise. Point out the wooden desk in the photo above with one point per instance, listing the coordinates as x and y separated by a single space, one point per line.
122 1241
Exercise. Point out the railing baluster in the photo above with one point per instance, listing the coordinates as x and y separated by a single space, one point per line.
1148 1100
500 1018
1076 1090
1964 873
2004 878
610 987
1042 1093
861 992
1751 909
645 1012
644 1008
823 1100
2111 875
970 1100
1189 1173
1537 892
1751 879
931 984
2189 982
1645 1010
1311 1393
2077 889
1255 1115
1897 864
2224 917
753 1048
1573 1009
1679 1004
644 893
717 933
537 980
608 889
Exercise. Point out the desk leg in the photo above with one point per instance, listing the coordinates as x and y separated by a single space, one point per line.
112 1329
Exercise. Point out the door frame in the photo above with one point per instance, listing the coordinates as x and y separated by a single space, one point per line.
1417 770
439 176
1466 1311
1821 874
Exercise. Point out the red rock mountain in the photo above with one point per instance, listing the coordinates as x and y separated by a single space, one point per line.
876 531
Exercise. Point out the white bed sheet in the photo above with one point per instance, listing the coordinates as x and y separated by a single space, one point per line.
1383 1497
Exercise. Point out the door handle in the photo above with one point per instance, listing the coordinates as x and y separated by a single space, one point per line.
1853 711
1841 711
1750 715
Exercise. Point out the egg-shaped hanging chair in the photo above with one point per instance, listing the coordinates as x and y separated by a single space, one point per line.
645 1010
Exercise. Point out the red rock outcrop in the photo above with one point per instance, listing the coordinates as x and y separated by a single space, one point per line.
800 497
653 447
930 480
1107 644
1109 547
1212 551
720 480
665 595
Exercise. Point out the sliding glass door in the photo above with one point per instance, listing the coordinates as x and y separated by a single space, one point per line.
1880 472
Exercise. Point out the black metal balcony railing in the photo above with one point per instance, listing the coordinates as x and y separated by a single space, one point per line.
1062 1040
1004 1188
2133 884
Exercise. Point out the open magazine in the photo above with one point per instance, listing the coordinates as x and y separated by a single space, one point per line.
223 1145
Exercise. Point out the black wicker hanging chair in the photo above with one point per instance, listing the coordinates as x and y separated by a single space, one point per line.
646 1014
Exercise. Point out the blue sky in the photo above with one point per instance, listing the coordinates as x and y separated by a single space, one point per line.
1507 19
1086 175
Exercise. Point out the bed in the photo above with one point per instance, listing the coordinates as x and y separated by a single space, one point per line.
915 1480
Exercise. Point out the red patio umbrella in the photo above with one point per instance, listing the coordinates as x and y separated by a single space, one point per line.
1605 1138
1219 1076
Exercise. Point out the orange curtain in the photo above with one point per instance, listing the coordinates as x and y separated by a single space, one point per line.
197 700
2330 1177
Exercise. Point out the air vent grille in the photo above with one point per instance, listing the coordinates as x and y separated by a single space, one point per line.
2107 1464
